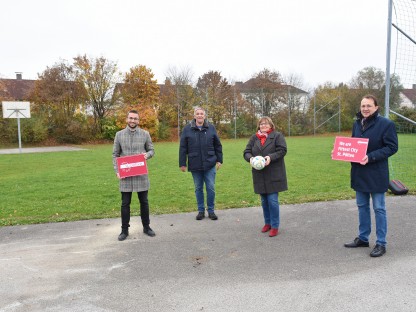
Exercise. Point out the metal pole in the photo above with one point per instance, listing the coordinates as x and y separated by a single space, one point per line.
314 113
235 116
288 101
179 114
387 91
20 137
339 114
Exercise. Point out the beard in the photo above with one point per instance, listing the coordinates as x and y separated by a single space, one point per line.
132 127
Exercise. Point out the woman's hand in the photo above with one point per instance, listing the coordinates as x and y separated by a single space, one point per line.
268 160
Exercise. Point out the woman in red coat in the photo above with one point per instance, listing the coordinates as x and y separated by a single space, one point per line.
271 180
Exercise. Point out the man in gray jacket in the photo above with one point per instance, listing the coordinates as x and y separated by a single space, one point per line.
132 141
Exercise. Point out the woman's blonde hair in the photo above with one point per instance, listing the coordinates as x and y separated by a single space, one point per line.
265 119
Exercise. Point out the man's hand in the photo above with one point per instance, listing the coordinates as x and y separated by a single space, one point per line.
364 161
218 166
183 168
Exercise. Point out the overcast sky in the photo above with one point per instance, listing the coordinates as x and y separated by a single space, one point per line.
321 40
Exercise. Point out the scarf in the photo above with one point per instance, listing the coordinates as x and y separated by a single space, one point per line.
263 136
364 121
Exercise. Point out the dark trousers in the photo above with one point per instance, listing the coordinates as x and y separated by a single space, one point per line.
125 209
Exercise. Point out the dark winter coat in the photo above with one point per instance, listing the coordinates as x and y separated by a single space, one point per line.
272 178
202 147
382 143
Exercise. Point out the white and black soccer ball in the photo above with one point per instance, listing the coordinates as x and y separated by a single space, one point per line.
258 162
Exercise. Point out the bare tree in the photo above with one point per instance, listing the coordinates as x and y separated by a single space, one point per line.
180 96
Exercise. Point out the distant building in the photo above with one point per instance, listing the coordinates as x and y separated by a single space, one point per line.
16 89
259 90
408 97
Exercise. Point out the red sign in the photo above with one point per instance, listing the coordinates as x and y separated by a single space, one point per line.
130 166
350 149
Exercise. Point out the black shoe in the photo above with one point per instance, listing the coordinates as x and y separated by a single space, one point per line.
357 243
123 235
200 215
212 216
149 231
378 251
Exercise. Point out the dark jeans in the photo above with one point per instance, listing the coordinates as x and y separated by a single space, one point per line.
125 209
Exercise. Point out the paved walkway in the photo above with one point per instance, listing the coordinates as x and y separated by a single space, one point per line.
47 149
224 265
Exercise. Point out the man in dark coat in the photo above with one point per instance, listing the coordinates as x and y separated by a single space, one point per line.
370 177
201 145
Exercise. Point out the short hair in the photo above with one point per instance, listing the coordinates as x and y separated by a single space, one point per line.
132 111
370 97
199 108
265 119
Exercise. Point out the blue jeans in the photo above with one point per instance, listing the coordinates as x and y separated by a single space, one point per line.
270 205
208 177
364 216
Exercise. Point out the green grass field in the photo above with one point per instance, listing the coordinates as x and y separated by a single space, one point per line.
67 186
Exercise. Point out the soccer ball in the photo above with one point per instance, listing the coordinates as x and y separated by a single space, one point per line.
258 162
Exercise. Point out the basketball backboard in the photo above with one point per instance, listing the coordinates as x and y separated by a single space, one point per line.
16 109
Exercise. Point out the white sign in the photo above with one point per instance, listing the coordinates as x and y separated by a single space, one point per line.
16 109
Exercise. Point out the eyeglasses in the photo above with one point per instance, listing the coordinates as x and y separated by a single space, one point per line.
131 118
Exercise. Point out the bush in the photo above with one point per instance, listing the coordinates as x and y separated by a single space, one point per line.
110 129
74 132
164 132
34 131
8 130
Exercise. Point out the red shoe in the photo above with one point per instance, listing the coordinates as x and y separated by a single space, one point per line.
265 228
273 232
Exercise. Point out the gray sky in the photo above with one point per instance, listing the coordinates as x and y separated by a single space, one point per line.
321 40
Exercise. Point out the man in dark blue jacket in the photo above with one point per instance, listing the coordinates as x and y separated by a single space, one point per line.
201 145
370 177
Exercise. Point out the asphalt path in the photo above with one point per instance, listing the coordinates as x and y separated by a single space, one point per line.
224 265
47 149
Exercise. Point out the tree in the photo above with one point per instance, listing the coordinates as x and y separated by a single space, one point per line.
140 91
99 77
178 98
324 108
57 93
266 93
371 80
59 101
215 92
